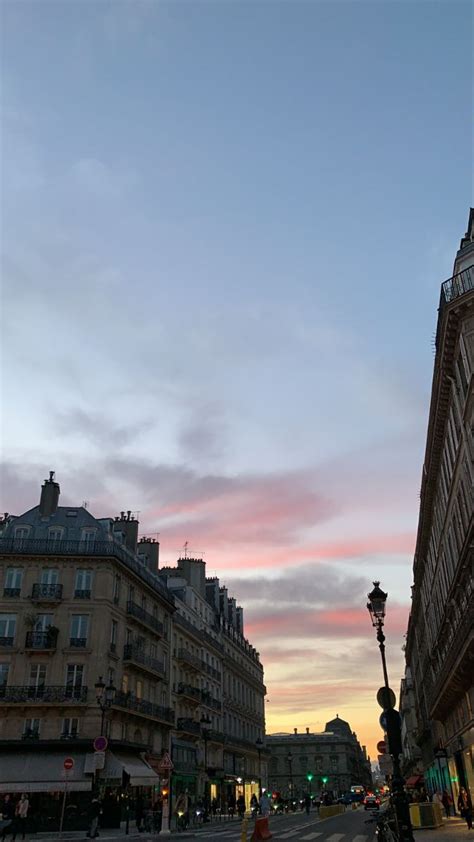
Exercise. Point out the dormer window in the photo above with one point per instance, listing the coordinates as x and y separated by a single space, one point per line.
88 536
22 532
55 533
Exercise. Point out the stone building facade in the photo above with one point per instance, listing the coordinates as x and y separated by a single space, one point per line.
83 601
333 754
440 640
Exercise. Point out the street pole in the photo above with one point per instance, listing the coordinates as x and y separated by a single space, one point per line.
63 807
376 607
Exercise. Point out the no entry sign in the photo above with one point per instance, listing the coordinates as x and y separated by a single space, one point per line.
382 747
68 764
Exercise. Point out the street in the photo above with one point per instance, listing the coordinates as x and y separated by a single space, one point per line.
348 827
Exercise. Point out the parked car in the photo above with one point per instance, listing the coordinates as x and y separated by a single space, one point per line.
371 802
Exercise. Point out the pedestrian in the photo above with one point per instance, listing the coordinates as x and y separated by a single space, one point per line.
307 803
182 810
465 806
264 804
437 798
446 803
7 814
139 812
94 813
21 815
241 806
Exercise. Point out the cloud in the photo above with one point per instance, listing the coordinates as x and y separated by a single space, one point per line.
99 179
97 429
315 584
340 622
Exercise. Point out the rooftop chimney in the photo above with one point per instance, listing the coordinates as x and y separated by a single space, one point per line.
295 730
307 730
49 496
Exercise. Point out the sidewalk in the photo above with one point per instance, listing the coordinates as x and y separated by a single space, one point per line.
453 830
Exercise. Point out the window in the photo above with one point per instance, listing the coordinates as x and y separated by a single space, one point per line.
334 764
139 689
125 683
117 588
3 676
7 629
49 576
79 628
55 533
111 676
42 622
113 635
131 594
37 675
74 679
13 582
70 726
21 532
83 584
88 537
31 729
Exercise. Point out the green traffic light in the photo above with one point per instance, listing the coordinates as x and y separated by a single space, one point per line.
309 777
324 780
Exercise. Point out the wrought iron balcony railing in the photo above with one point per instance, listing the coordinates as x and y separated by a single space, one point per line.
46 592
190 659
189 691
45 547
6 641
78 642
129 701
40 640
82 594
145 617
10 593
457 285
189 726
43 693
136 655
30 734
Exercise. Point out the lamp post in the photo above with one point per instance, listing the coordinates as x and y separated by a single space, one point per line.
205 723
259 746
105 696
376 607
289 758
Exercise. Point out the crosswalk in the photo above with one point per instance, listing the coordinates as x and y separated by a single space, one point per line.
298 834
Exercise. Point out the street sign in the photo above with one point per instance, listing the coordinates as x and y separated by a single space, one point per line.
383 721
99 759
165 764
382 747
386 698
68 763
386 765
100 743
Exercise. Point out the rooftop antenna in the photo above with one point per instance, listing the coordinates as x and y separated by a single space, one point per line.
85 504
187 550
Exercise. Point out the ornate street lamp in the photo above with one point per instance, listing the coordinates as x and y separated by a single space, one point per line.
105 696
376 607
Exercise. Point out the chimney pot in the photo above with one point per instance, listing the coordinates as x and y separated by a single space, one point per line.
49 496
295 730
307 730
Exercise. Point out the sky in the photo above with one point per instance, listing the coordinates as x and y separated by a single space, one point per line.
224 226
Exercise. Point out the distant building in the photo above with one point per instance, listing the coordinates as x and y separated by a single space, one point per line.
217 689
412 767
334 755
440 640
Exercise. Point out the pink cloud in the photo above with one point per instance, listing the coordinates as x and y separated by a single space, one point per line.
342 622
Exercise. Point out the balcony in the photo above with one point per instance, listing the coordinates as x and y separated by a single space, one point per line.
82 594
215 736
78 642
189 726
457 285
210 702
145 618
46 593
130 702
212 672
190 660
44 547
41 640
136 656
30 734
11 593
192 694
45 694
6 642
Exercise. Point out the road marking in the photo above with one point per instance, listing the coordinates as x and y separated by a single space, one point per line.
311 836
336 837
361 837
289 834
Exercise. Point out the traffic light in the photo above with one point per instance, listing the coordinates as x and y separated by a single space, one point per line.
309 776
165 791
324 780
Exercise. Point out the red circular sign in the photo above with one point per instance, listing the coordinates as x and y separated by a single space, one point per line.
381 747
68 763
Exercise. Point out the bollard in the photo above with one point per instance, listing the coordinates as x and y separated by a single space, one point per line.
243 831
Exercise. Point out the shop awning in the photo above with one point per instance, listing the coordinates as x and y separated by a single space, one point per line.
30 772
414 780
141 773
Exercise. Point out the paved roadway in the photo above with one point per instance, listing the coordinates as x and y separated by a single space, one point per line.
298 827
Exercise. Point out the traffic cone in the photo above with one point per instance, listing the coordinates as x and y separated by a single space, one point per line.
262 831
